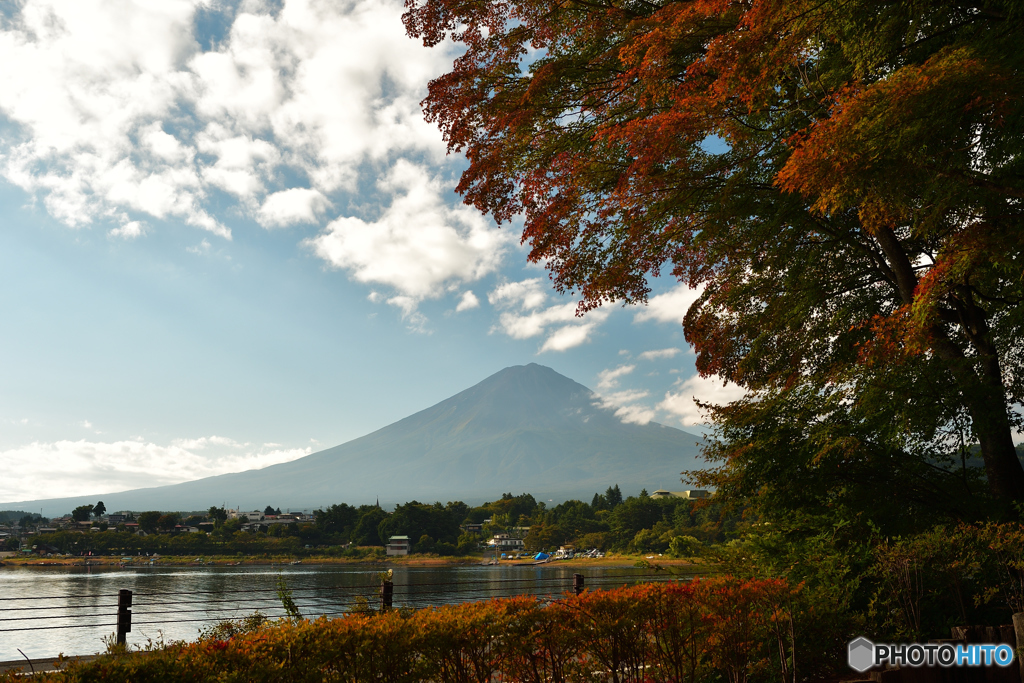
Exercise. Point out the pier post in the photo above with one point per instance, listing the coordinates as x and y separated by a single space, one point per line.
124 615
387 592
577 584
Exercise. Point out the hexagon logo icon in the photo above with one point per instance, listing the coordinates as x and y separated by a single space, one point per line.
860 654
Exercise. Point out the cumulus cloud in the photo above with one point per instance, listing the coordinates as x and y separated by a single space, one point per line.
659 354
71 468
295 205
680 402
467 302
607 379
669 307
635 414
415 321
626 403
525 314
121 109
130 230
525 295
419 245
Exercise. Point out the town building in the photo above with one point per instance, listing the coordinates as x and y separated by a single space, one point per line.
398 545
692 494
505 543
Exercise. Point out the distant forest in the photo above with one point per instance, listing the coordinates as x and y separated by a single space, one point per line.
609 522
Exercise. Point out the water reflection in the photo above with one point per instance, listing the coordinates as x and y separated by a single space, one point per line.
174 603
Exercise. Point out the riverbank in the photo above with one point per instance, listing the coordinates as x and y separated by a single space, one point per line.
609 561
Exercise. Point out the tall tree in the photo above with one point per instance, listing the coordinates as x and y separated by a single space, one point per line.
840 181
148 521
217 515
99 509
81 513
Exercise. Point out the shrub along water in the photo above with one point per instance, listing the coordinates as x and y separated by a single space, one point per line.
740 630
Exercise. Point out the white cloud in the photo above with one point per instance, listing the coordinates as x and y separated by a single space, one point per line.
524 316
607 379
117 109
129 230
624 402
70 468
415 321
287 207
680 403
635 414
658 354
669 307
467 302
419 245
524 295
568 337
626 406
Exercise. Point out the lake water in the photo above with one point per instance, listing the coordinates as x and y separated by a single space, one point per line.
70 609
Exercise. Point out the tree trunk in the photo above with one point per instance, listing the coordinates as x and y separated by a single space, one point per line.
992 428
984 396
985 400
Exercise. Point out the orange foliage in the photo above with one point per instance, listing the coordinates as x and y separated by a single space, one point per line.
653 632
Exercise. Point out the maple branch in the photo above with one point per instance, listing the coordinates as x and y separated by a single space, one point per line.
973 179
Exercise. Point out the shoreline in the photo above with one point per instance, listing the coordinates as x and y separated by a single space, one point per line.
616 561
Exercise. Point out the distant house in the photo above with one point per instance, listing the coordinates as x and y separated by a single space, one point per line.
472 528
114 520
692 494
253 516
398 545
505 543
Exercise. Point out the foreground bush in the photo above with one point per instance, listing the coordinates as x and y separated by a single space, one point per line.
699 631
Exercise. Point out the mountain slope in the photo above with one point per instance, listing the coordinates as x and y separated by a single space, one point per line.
524 429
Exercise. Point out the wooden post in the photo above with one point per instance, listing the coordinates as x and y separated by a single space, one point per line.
387 592
577 583
124 615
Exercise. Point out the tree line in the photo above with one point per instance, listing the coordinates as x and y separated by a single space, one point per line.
608 522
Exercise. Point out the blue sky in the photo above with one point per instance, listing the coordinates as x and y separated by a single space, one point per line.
229 239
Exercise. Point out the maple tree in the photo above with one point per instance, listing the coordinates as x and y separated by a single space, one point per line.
842 181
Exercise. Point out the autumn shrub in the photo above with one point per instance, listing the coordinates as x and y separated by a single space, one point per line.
613 632
679 630
1002 548
461 643
732 628
541 643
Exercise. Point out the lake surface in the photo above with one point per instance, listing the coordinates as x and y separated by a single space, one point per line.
71 609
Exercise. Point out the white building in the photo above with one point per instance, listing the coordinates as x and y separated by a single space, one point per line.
398 545
692 494
505 543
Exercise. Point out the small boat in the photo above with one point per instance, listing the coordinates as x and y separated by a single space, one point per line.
297 562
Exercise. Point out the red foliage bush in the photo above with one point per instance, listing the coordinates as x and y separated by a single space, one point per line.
694 631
